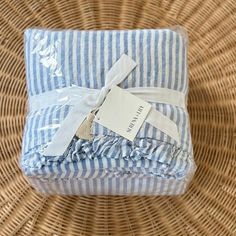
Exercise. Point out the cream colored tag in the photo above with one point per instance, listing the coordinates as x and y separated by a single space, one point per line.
84 131
123 113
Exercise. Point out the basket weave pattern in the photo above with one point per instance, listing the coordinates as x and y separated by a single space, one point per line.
209 206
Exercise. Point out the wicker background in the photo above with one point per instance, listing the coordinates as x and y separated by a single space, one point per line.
209 206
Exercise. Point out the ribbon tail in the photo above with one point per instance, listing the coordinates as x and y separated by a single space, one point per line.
164 124
66 132
120 70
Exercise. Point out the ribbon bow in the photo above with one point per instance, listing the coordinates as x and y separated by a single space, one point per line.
93 99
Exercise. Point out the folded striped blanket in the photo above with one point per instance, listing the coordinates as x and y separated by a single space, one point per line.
58 62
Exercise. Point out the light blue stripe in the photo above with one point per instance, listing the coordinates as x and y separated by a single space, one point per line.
110 50
149 64
100 164
170 60
133 57
86 58
94 60
36 65
84 169
63 82
117 45
68 169
79 59
87 188
35 131
47 77
27 41
156 79
110 186
126 51
163 60
42 70
71 58
102 58
140 84
55 78
182 83
177 63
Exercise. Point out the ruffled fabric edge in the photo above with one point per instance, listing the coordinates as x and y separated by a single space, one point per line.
160 158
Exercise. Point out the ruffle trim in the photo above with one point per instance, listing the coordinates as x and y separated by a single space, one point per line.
163 158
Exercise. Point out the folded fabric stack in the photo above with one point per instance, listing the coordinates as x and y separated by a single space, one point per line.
57 64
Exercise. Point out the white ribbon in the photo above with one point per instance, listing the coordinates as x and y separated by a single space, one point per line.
73 94
93 98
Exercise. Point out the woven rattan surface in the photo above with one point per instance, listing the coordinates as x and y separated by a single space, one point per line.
209 206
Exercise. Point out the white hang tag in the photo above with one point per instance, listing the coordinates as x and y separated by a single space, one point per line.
123 113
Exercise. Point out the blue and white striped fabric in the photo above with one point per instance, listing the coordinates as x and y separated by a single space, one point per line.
153 164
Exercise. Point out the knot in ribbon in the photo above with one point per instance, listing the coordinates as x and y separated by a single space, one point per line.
96 100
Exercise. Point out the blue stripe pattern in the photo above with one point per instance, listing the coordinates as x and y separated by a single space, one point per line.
153 164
